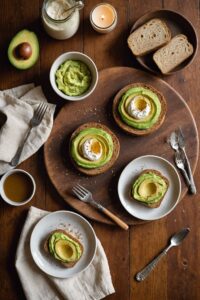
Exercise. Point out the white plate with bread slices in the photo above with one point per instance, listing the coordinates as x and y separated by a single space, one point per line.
62 244
149 187
163 41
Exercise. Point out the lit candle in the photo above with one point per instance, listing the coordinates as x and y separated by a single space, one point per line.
103 18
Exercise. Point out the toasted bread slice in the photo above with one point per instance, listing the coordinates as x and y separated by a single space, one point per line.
173 54
116 149
148 37
46 247
126 127
157 204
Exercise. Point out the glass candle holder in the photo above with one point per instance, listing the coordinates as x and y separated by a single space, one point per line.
103 18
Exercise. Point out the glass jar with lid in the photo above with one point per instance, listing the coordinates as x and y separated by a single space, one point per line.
61 17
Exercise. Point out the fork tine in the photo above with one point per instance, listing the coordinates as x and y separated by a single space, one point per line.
38 109
41 114
82 188
77 192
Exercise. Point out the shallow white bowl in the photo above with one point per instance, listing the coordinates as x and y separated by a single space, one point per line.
74 224
131 172
74 56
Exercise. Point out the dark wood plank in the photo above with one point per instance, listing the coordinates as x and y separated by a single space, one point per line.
187 82
15 16
143 248
108 50
176 276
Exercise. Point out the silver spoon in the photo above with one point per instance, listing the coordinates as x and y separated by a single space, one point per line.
174 241
177 143
173 141
79 5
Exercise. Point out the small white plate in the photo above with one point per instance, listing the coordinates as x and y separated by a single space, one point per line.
132 171
72 223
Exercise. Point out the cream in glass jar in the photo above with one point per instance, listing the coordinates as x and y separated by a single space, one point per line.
60 19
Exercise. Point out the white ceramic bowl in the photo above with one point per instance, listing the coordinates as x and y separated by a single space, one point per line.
3 195
74 56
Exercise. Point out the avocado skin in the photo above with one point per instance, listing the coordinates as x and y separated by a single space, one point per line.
56 236
152 118
159 181
98 134
23 36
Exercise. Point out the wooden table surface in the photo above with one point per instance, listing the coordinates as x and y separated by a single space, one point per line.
177 276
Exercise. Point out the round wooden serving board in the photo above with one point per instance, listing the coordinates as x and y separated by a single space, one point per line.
98 108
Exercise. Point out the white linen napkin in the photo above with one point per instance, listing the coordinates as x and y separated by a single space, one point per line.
94 283
18 104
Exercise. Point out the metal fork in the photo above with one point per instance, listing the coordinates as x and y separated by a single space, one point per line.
86 196
181 142
180 164
35 121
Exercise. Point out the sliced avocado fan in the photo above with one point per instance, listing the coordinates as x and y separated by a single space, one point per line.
151 98
105 140
23 50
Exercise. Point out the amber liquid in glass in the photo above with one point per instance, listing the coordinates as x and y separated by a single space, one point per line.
18 187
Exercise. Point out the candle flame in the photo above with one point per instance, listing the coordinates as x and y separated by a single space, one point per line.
102 17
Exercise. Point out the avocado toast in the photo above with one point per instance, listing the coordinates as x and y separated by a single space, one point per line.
94 148
139 109
150 188
64 247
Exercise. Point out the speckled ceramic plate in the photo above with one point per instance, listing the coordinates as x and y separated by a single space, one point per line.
75 225
132 171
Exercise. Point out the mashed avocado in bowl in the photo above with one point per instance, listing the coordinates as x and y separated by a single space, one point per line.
73 77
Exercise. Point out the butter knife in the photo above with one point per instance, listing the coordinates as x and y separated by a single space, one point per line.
181 143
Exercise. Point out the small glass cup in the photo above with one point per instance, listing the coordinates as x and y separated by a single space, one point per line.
103 17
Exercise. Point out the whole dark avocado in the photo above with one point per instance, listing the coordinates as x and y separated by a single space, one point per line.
23 50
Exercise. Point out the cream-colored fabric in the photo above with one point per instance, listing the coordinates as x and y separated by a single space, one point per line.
92 284
18 104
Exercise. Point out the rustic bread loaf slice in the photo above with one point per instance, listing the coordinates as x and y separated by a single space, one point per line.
65 264
173 54
150 36
156 172
116 149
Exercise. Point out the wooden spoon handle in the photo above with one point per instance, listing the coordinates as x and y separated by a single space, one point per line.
115 219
